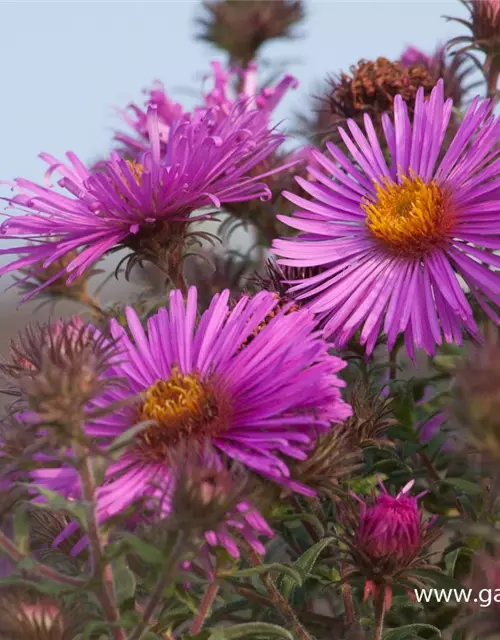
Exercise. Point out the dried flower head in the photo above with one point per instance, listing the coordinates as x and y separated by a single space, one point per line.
386 539
371 418
24 615
475 402
452 69
241 28
369 89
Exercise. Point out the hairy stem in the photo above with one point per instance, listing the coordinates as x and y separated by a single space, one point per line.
379 614
175 270
279 601
39 568
492 72
205 605
101 571
164 578
348 600
433 474
393 364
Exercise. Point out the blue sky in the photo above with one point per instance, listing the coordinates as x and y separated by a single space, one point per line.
66 64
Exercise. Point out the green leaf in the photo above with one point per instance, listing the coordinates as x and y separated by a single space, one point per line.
313 520
438 579
59 503
124 439
305 564
410 631
124 580
21 532
266 568
146 552
364 486
464 485
451 558
251 630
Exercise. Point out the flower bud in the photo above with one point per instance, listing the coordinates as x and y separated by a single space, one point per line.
58 368
27 615
204 492
241 28
387 539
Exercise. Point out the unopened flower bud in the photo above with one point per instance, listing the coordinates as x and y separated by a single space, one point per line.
58 368
387 539
26 615
204 492
241 28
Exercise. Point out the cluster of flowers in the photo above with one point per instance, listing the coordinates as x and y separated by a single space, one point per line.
393 221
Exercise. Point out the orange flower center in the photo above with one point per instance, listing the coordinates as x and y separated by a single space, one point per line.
137 169
409 218
182 407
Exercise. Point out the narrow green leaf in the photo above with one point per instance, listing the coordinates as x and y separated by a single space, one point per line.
305 564
313 520
439 580
251 630
124 439
464 485
21 532
410 631
266 568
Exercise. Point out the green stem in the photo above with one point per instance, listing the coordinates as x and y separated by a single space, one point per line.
379 613
206 603
37 567
101 570
279 601
165 577
393 364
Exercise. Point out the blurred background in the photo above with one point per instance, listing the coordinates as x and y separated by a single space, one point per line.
67 66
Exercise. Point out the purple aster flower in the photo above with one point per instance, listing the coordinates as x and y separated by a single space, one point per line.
222 96
395 239
231 379
387 538
144 205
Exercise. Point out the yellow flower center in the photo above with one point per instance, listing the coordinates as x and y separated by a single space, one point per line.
137 169
409 218
183 407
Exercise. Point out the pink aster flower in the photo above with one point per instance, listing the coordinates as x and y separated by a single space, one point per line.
223 96
232 380
387 538
144 205
396 239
